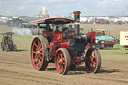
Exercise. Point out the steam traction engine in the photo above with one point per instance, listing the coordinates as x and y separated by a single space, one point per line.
7 42
66 48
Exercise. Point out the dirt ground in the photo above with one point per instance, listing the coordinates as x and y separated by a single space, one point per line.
16 69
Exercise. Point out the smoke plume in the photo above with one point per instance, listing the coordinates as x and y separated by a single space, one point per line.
22 31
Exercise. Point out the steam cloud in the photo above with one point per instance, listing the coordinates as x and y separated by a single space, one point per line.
22 31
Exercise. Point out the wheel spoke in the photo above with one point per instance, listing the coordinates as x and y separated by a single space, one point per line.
58 58
40 60
60 55
40 56
35 56
35 45
41 49
39 46
40 53
63 62
93 60
63 59
62 66
33 52
36 59
60 62
37 64
38 42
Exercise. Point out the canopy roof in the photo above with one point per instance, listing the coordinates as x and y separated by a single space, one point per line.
52 21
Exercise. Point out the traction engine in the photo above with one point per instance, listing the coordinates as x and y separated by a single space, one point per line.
65 48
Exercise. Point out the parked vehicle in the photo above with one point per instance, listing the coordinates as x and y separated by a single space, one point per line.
103 41
124 39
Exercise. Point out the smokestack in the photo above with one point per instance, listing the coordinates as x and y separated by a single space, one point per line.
77 21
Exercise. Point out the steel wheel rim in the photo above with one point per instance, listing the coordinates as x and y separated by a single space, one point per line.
6 47
91 62
36 53
60 62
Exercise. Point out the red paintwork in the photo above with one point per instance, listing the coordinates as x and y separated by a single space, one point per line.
98 34
36 54
47 33
92 35
60 61
107 42
59 42
77 61
57 39
92 62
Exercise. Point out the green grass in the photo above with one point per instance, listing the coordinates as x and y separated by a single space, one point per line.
117 50
24 43
4 28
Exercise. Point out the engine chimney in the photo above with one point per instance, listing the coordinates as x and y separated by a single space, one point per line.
77 21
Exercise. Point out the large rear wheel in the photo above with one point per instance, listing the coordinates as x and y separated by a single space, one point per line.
93 61
14 47
62 61
38 53
2 46
6 47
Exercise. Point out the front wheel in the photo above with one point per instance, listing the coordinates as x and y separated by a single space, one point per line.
38 53
93 61
62 61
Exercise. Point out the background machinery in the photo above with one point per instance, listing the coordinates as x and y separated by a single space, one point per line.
7 42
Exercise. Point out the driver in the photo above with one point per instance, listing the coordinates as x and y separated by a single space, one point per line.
57 29
48 28
6 39
49 36
65 29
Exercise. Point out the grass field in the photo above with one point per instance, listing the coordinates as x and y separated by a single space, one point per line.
24 42
16 67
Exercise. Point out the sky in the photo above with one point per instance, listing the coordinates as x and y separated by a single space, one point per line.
64 7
